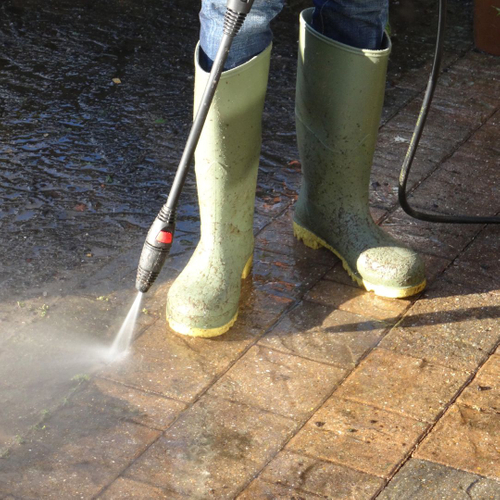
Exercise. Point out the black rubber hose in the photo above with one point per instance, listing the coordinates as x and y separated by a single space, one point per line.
417 133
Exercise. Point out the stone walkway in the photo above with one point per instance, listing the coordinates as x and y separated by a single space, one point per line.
321 390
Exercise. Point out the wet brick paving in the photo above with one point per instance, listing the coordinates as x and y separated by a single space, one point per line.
321 390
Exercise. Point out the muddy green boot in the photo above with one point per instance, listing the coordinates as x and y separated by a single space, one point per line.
203 300
340 92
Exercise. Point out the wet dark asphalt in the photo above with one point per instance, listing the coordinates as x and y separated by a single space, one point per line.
85 161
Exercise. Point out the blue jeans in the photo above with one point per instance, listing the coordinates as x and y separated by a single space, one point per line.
358 23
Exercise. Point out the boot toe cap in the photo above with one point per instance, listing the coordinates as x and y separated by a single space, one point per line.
392 271
195 305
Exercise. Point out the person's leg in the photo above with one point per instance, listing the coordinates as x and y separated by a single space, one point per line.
340 93
356 23
203 300
253 38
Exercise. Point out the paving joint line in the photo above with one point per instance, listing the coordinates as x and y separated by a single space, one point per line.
388 410
335 462
105 487
298 489
305 358
426 361
138 389
163 488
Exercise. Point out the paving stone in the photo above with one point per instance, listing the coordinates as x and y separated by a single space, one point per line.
422 480
325 334
435 344
259 309
417 76
475 75
150 410
359 436
482 150
75 453
452 117
284 275
280 383
477 155
115 275
267 491
357 301
397 133
178 366
325 479
465 439
409 386
444 128
447 193
480 277
123 489
461 294
484 248
454 331
451 283
483 393
16 315
214 449
434 267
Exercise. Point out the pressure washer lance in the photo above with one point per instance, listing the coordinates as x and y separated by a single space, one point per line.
161 234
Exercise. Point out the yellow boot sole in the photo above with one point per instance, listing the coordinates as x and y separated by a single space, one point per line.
210 332
315 242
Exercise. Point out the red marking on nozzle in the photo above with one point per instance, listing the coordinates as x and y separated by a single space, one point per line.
164 237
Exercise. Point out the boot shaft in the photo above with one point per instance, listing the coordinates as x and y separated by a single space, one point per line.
233 128
227 156
339 99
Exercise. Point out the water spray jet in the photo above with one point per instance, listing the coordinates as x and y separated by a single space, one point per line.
125 335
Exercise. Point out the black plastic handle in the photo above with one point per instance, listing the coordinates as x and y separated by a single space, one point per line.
155 250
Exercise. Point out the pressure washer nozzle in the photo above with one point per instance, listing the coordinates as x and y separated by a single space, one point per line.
156 249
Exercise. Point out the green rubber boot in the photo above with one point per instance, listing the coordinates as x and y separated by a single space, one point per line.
203 300
340 92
